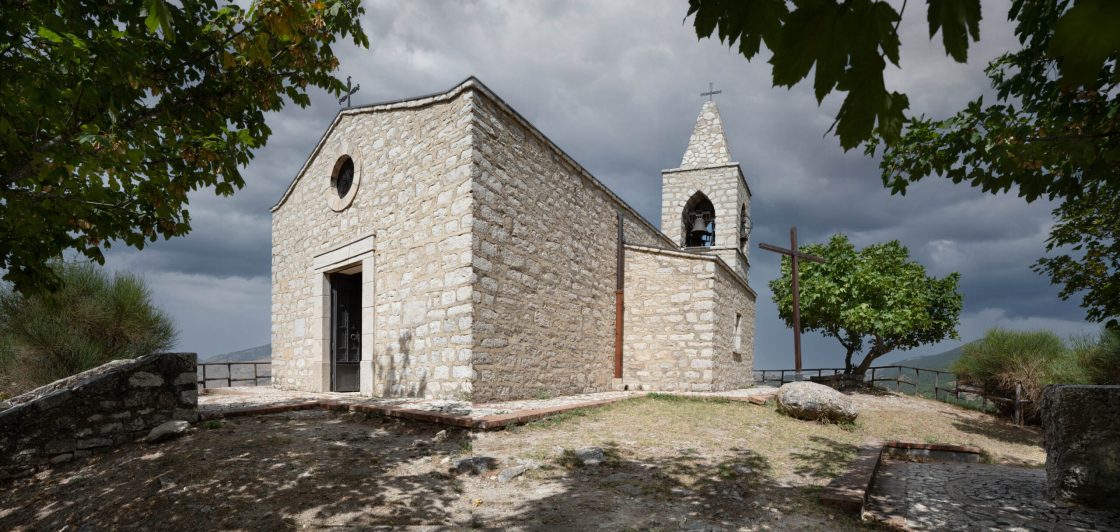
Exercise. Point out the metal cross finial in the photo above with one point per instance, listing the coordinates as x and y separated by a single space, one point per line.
711 92
346 97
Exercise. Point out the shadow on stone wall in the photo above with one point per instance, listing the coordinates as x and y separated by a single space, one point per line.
109 405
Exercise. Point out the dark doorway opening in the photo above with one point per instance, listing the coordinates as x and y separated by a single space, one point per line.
346 331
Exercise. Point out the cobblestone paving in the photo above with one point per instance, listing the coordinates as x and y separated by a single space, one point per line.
948 496
224 399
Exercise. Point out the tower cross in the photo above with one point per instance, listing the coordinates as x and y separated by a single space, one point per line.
795 257
711 91
345 99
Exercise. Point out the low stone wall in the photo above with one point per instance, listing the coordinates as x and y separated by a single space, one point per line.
1081 426
95 410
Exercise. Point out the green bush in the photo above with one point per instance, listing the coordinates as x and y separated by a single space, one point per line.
91 319
1003 359
1095 360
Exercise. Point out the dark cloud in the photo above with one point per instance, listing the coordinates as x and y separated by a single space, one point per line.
616 85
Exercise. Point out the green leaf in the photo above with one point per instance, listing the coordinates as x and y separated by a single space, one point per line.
159 18
1085 38
49 35
958 20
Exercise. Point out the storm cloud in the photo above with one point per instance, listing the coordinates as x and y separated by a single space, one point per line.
617 86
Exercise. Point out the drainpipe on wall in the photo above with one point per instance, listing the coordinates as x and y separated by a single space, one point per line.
618 305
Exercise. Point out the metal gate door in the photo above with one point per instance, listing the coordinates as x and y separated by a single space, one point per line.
346 331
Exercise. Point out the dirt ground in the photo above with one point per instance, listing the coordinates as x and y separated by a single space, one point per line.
671 464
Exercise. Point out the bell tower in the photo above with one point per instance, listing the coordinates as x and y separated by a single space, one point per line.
705 203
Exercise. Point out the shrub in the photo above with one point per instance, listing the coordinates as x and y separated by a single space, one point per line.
91 319
1095 360
1002 359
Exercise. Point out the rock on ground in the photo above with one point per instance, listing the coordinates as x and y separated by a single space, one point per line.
167 431
591 456
474 465
511 473
812 401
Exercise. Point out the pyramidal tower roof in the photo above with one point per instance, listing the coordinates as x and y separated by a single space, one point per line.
708 145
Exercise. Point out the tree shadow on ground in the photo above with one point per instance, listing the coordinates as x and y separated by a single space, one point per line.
824 458
316 469
997 429
687 491
279 472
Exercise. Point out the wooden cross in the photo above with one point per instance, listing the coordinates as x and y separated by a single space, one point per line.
346 97
711 92
795 257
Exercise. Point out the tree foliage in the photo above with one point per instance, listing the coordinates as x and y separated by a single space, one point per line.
91 319
875 297
1089 228
112 111
1053 130
845 44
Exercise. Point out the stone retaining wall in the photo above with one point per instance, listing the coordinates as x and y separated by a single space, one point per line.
95 410
1081 425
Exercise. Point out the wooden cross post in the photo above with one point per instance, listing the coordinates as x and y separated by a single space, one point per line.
795 257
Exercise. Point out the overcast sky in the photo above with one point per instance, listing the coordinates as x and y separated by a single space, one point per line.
616 84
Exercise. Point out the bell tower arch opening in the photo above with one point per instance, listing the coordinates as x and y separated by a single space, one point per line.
698 222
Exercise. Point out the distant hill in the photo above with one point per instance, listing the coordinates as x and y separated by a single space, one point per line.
261 353
942 361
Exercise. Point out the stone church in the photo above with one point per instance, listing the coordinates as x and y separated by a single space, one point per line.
442 246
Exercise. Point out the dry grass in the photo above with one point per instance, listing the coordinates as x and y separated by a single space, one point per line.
796 451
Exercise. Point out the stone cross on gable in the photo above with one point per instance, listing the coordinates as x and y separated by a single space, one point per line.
711 91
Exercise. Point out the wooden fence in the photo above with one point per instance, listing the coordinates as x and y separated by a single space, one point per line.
206 375
944 384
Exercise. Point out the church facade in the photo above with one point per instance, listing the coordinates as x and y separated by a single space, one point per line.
443 247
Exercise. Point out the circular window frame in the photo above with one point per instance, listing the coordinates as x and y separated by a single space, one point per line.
340 203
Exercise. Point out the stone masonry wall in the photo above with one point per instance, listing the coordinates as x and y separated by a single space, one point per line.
670 313
733 362
95 410
414 164
1081 428
544 254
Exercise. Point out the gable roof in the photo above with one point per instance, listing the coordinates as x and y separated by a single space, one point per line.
473 84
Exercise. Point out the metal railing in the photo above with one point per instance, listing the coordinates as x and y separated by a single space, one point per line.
255 380
952 384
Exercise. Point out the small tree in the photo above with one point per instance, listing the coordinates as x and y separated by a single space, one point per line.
92 319
876 296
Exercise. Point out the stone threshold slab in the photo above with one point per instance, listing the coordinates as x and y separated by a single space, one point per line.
486 422
490 422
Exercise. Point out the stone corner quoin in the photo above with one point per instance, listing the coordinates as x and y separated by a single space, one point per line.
488 264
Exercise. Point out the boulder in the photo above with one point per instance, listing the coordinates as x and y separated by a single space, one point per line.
1081 429
812 401
167 431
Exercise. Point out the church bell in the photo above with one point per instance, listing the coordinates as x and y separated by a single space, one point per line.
699 225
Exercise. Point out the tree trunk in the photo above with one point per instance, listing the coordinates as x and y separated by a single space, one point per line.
848 362
873 354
